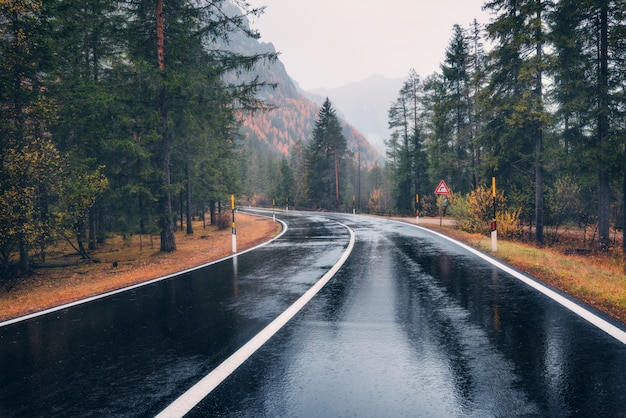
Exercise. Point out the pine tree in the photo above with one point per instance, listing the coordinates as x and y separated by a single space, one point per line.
30 168
439 129
516 94
323 159
81 82
455 71
477 63
405 147
589 78
179 54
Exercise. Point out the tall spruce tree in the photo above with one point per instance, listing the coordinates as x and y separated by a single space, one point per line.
589 73
29 162
324 157
405 147
89 36
516 97
439 129
400 126
477 63
171 44
455 71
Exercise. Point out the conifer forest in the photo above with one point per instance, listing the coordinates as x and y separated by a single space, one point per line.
132 116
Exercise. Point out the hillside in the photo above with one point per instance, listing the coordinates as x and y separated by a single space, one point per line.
365 104
292 120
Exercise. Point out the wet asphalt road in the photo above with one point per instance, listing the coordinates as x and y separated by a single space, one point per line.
411 325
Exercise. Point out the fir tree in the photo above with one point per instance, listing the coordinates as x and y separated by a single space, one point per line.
323 159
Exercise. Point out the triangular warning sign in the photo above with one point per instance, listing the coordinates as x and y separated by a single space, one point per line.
442 188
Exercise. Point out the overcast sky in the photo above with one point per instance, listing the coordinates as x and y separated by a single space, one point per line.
330 43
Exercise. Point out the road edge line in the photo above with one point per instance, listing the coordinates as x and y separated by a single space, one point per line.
590 317
194 395
138 285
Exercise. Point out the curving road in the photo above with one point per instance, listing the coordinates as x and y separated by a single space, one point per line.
410 325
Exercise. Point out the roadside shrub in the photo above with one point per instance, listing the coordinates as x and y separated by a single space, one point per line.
563 201
509 224
429 206
460 212
474 213
224 220
375 203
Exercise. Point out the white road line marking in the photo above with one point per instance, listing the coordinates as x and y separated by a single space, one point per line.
200 390
605 326
124 289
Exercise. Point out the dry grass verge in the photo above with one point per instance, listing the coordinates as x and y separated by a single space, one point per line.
52 287
598 279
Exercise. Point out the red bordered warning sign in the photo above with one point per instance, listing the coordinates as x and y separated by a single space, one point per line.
442 188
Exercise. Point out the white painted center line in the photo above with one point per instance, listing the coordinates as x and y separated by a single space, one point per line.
204 387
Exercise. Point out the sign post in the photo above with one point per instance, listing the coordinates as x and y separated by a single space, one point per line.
234 230
442 189
273 210
494 225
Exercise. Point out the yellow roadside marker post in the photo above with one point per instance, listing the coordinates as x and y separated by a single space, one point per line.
234 230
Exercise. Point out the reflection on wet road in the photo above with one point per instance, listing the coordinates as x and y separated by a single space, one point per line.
415 326
412 325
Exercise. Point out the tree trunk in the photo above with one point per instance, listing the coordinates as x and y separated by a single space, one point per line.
181 205
624 207
189 218
336 181
80 237
604 212
539 239
212 212
92 228
19 120
101 230
604 238
168 240
539 134
24 262
160 35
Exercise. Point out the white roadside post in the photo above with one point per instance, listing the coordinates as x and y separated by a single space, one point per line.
417 209
234 230
494 225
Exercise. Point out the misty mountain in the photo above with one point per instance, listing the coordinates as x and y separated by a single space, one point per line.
365 104
291 121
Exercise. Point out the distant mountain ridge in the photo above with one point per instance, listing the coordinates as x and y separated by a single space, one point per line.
365 104
292 120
